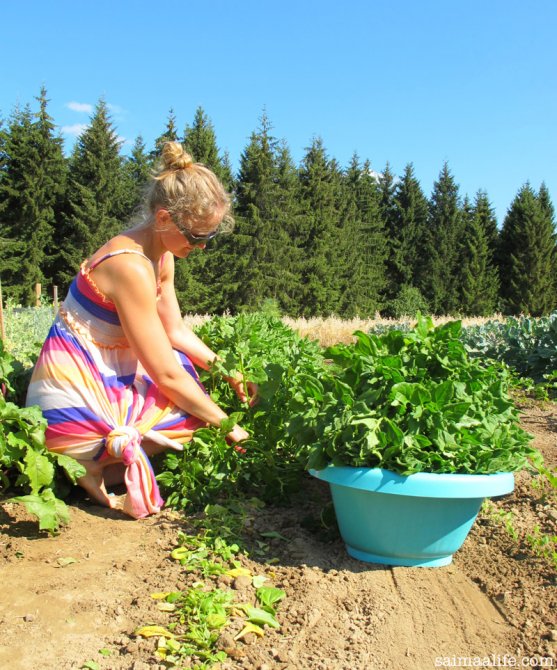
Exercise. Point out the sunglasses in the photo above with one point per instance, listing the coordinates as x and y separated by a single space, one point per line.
195 240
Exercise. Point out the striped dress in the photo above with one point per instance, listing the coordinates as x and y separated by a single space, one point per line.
97 398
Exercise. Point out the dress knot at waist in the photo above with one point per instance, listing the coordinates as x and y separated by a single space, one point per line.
124 443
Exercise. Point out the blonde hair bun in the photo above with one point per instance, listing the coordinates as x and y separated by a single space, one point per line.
187 190
174 157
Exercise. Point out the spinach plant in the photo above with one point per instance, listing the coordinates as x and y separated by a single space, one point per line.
286 367
412 402
26 466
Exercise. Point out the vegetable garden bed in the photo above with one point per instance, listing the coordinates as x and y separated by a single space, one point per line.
277 590
499 596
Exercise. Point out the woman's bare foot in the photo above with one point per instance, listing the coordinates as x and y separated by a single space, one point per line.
109 471
93 483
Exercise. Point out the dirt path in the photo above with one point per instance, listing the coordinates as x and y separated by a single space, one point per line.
65 598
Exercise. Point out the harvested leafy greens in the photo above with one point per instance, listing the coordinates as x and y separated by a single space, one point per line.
412 402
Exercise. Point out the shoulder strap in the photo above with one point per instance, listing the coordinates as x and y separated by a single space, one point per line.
116 253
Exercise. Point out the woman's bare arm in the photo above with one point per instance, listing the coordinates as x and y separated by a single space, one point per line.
131 286
184 339
180 335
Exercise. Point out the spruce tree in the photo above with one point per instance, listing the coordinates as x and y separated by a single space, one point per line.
136 174
169 134
407 234
15 206
263 249
547 207
527 256
3 160
287 222
545 201
201 279
479 281
228 173
441 260
319 235
96 203
371 204
54 180
200 142
361 244
30 195
486 215
390 223
9 248
3 155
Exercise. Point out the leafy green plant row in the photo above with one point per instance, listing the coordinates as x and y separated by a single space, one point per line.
200 614
286 367
408 402
526 344
26 466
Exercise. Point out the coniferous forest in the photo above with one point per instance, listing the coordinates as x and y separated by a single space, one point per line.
313 239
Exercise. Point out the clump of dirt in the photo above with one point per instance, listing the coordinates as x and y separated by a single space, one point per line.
79 596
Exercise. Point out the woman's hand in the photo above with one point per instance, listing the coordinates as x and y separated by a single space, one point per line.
238 434
244 390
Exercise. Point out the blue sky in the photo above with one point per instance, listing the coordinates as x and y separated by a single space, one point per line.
471 82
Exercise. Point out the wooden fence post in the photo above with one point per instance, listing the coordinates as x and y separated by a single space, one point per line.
55 297
38 289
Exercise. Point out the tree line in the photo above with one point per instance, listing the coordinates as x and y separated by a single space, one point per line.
313 239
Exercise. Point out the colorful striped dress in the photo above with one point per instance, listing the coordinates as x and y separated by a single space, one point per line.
97 398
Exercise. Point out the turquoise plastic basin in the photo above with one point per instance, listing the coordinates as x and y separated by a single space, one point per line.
418 520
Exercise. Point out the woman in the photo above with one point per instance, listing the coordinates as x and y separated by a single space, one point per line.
115 378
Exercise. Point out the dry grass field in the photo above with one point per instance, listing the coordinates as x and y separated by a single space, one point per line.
333 330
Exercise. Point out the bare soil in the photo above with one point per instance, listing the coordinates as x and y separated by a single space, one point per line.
65 598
